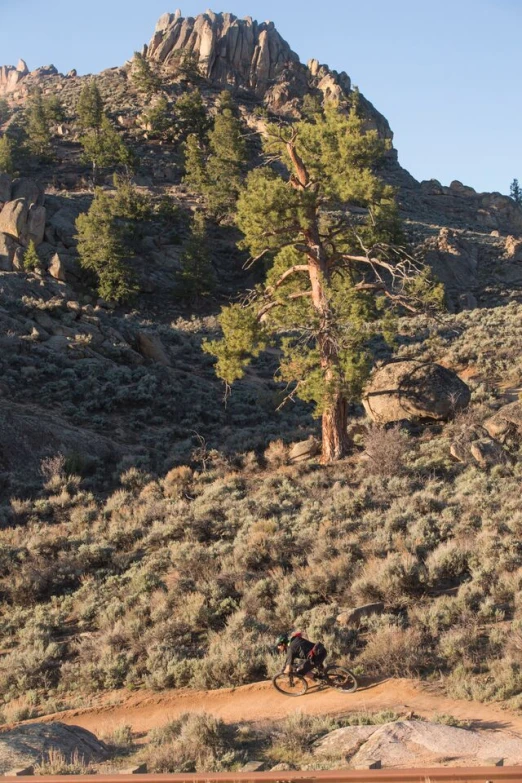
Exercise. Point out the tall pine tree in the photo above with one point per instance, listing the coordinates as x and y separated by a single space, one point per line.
102 144
7 164
38 127
326 229
196 278
216 170
143 77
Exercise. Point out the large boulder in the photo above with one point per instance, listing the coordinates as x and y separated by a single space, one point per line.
414 743
13 218
35 225
304 450
410 390
30 744
62 226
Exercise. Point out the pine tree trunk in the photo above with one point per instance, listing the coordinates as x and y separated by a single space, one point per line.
334 431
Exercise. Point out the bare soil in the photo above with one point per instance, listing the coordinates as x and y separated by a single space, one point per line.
145 710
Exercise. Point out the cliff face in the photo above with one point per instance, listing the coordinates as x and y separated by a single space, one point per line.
230 50
253 56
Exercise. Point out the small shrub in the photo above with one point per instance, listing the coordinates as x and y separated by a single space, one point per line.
395 651
199 743
385 449
57 763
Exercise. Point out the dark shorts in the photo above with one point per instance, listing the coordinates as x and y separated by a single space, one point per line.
315 661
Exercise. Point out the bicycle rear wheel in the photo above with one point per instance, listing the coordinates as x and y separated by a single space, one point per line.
290 684
341 679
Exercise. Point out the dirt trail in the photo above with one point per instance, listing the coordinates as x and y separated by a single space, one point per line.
146 710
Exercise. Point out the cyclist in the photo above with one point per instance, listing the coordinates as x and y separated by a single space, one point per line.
296 647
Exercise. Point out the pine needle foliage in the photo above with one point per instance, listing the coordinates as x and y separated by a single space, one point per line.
143 77
31 259
105 236
216 170
197 277
336 278
90 108
7 164
37 126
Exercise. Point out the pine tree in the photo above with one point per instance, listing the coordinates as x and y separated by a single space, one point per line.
38 126
143 77
31 260
90 108
5 111
516 192
195 165
157 117
335 278
191 116
7 165
102 250
196 278
54 109
227 159
104 147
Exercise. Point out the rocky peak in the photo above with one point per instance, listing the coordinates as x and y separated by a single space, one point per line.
234 51
15 82
252 56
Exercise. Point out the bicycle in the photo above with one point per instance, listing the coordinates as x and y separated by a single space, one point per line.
294 684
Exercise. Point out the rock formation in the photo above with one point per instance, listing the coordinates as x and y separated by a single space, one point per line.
418 743
410 390
252 56
30 743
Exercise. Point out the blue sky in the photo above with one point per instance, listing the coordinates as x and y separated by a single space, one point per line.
446 74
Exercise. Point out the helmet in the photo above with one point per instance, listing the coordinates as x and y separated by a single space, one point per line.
282 639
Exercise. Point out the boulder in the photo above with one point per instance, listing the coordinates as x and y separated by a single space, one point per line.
410 390
8 248
506 421
304 449
65 267
31 743
354 616
150 346
13 218
488 452
250 55
414 743
35 225
57 268
62 226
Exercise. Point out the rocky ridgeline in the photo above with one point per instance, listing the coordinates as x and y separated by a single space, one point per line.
248 55
15 83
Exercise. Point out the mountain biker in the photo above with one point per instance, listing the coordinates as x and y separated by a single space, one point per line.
297 647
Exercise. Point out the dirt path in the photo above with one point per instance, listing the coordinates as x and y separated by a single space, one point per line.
146 710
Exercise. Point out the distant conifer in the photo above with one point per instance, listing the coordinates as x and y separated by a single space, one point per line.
143 77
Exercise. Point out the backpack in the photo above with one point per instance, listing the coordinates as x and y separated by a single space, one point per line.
317 649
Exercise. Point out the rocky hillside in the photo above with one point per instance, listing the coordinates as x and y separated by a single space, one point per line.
148 521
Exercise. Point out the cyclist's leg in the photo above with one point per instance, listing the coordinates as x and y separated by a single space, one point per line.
306 667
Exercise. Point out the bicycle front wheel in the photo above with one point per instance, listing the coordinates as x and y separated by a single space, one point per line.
290 684
341 679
